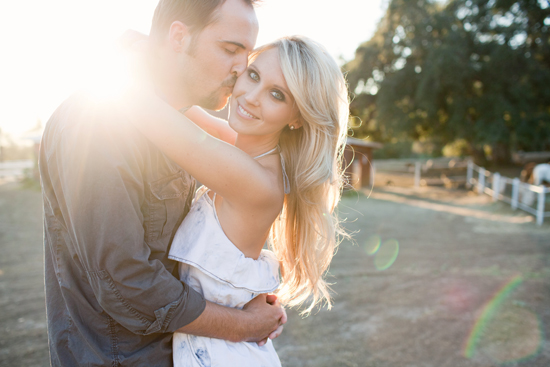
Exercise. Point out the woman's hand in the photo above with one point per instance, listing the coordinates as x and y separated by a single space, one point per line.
132 40
134 48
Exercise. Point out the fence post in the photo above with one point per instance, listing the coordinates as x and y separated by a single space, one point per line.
540 206
469 174
372 173
496 186
417 166
515 193
356 174
481 181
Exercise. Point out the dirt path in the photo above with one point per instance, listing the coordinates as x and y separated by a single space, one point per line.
422 309
23 341
470 286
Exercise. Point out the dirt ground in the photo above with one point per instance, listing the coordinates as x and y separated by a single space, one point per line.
433 277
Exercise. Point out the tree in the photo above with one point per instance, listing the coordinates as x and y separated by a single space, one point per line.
477 70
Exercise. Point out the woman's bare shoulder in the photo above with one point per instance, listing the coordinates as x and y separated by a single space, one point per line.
274 175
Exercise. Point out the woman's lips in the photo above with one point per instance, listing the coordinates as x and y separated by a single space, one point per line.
245 113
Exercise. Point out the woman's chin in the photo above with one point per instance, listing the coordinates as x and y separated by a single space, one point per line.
235 125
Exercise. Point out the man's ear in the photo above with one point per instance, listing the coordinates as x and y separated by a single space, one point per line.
178 36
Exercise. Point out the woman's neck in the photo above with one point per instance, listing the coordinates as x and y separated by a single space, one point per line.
254 145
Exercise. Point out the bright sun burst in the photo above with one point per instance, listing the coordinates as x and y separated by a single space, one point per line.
56 47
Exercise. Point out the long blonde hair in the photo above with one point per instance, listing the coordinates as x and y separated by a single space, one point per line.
305 236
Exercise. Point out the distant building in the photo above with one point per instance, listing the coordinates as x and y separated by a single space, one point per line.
358 162
35 136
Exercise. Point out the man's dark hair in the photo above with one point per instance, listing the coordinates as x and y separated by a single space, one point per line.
196 14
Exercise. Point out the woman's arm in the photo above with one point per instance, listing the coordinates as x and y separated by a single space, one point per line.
222 167
133 41
214 126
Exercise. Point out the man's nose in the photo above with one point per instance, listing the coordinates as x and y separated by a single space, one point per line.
240 64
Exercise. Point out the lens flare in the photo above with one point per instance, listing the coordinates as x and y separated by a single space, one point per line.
372 244
202 136
505 331
386 254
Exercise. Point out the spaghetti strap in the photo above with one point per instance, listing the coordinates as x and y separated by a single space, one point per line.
214 209
267 153
286 182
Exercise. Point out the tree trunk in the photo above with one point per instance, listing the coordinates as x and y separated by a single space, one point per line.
478 154
501 154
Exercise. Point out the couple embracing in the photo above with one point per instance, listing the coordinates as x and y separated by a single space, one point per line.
141 269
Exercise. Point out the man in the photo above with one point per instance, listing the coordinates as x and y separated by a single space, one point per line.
113 202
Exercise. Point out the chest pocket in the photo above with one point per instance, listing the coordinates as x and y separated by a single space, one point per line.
169 203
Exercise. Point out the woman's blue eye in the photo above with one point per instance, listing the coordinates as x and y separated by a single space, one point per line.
253 75
278 95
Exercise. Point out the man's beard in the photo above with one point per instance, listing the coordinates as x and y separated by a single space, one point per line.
215 100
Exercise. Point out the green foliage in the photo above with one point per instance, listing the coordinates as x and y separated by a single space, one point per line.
476 70
399 149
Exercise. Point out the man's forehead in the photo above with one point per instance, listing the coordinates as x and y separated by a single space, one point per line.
235 22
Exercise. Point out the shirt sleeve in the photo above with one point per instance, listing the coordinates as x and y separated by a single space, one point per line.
99 165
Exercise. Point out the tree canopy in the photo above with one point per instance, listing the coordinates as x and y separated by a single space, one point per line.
471 70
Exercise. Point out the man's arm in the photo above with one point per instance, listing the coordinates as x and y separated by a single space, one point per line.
259 319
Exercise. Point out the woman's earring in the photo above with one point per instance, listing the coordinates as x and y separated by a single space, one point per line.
291 127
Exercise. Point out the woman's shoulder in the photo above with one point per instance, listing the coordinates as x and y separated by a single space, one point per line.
274 179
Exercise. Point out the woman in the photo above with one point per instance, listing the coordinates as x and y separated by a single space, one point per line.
279 183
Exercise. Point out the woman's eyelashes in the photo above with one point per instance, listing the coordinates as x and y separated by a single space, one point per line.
253 75
277 94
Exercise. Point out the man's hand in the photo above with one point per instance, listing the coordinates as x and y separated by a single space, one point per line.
261 318
267 317
273 300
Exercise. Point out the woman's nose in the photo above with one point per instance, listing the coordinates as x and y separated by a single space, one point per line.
252 97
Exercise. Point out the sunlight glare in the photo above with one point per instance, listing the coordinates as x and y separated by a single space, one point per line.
111 76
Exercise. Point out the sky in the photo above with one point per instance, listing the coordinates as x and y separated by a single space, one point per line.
52 48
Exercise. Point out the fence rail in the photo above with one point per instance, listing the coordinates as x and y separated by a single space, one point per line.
519 195
418 170
15 169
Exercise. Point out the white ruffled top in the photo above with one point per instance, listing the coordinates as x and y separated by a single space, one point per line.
213 265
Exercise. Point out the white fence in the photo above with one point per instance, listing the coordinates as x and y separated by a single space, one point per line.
512 191
448 171
13 170
519 195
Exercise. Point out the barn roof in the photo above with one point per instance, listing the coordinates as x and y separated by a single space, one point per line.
363 143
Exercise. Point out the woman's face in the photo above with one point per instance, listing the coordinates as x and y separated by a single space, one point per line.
261 103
